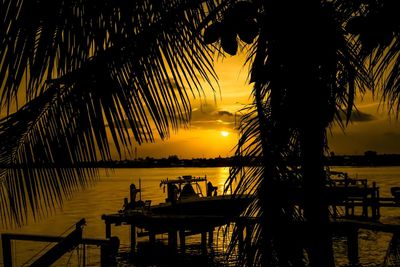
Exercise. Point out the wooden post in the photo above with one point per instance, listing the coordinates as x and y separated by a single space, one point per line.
375 203
152 238
108 229
346 208
182 241
104 256
204 242
365 201
365 207
352 247
7 256
133 238
172 240
211 237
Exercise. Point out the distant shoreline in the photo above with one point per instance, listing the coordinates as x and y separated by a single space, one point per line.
368 160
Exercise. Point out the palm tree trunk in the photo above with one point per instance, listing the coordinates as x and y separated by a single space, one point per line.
316 211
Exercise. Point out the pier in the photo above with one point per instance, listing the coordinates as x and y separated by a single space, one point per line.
178 227
63 244
354 203
173 225
353 198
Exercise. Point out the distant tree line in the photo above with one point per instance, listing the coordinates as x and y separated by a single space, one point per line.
369 158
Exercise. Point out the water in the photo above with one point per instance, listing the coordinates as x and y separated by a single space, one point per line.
108 194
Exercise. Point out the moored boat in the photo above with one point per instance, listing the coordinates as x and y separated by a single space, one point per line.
185 197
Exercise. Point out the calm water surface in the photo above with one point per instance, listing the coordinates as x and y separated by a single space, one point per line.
108 194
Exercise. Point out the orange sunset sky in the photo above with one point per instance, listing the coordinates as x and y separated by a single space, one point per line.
212 131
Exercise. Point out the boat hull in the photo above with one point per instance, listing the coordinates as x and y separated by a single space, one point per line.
224 205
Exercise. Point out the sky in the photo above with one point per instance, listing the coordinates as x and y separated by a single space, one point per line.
212 130
214 117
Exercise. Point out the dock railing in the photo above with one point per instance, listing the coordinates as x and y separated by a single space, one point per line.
63 245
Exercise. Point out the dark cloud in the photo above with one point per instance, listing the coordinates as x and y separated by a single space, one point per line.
209 117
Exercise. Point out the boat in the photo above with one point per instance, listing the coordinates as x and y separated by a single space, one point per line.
395 190
185 197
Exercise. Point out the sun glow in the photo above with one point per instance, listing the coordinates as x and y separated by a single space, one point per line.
224 133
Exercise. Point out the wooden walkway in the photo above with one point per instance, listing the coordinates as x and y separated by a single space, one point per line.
63 244
188 225
154 224
358 200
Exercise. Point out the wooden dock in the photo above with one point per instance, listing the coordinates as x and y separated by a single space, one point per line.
62 245
350 193
171 224
354 204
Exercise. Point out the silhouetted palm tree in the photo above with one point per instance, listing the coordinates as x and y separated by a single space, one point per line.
304 71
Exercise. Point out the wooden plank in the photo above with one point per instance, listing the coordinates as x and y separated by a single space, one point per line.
374 226
47 238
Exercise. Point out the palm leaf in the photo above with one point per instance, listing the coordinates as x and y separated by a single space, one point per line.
116 66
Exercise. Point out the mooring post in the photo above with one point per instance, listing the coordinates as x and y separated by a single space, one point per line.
7 256
104 255
204 242
133 238
375 202
211 236
182 241
346 208
152 237
108 229
172 240
352 246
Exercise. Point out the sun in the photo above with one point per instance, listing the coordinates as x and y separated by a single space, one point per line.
224 133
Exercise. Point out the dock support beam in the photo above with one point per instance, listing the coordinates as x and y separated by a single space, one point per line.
352 247
182 241
172 240
204 242
152 238
108 230
133 238
211 237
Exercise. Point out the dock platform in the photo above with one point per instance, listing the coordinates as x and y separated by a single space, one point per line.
154 224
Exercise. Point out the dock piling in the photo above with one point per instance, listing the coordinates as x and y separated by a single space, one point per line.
152 238
133 238
182 241
172 240
108 230
204 242
352 247
211 237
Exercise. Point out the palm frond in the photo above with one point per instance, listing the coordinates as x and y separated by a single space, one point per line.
273 179
119 67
